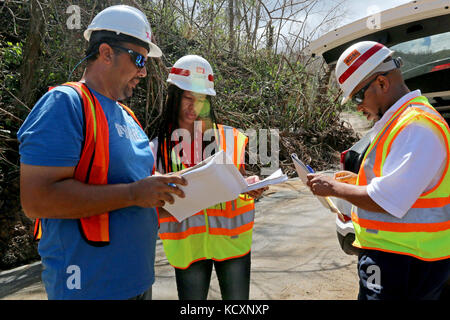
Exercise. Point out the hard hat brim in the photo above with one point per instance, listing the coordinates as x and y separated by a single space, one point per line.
155 51
185 87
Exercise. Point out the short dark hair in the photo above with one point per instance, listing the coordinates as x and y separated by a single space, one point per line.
111 38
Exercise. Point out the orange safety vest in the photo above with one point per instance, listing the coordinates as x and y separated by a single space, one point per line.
220 232
92 167
425 229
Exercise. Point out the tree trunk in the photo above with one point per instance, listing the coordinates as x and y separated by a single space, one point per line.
231 25
32 49
270 36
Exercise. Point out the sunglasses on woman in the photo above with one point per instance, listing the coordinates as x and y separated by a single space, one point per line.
138 59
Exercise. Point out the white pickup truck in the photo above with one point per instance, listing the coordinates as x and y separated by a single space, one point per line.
419 33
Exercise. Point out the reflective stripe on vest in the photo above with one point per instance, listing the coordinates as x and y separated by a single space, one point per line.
219 232
424 231
93 165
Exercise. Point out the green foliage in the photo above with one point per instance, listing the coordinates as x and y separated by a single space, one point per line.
11 54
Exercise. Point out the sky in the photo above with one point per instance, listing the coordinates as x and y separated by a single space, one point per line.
358 9
353 10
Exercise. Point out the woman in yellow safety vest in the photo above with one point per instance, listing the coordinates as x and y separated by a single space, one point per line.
220 235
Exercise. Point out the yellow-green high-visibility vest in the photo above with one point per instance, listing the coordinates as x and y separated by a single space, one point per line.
424 231
220 232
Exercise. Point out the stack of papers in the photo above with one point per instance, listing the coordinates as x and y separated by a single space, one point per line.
302 171
212 181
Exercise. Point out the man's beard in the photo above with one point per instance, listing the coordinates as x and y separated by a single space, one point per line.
127 91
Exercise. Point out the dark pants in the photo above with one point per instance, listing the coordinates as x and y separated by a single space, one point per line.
233 275
389 276
147 295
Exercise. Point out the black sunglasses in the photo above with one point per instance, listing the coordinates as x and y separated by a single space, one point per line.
138 59
358 97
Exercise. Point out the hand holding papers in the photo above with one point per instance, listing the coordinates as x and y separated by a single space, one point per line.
302 171
274 178
212 181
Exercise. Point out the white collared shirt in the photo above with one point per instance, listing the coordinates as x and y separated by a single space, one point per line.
414 165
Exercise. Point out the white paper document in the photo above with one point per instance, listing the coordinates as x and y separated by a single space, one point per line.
275 178
303 171
212 181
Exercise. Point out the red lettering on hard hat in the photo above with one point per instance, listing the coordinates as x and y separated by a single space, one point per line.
180 72
363 58
200 70
351 57
211 77
148 35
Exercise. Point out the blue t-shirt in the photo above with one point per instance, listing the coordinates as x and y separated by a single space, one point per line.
52 135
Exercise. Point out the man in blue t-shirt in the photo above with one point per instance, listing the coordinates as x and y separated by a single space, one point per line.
51 142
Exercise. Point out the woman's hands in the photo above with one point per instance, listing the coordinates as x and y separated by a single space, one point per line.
258 192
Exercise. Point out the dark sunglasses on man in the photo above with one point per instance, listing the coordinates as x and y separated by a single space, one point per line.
138 59
358 97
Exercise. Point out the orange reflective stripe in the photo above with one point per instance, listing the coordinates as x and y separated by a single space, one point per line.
442 134
436 116
166 157
432 203
96 228
167 219
37 233
182 235
92 168
380 137
228 212
232 232
361 180
400 227
222 138
383 137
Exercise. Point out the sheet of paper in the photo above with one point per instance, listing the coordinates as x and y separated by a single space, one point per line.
274 178
302 171
211 182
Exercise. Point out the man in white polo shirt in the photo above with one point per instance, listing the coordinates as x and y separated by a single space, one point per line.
401 198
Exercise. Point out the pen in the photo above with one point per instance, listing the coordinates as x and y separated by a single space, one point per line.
309 169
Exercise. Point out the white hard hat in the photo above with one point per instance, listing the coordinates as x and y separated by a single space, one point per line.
360 61
124 20
193 73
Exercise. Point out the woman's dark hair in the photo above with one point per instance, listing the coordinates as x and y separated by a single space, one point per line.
169 123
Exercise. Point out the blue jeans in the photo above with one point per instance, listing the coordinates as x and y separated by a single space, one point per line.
389 276
233 275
